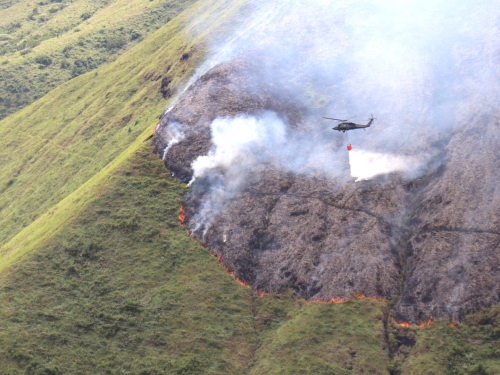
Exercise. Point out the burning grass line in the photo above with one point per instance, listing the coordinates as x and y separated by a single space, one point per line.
182 218
421 325
340 300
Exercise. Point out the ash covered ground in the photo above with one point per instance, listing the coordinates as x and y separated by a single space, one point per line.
411 214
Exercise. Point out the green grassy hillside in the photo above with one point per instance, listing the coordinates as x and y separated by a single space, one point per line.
44 44
98 276
52 147
118 287
122 282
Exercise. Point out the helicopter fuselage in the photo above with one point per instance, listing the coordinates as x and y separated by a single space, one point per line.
344 126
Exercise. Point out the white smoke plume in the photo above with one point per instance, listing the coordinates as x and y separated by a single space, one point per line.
176 134
422 68
366 165
235 141
243 142
222 51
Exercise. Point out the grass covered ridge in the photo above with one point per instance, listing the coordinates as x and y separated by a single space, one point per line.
52 147
120 288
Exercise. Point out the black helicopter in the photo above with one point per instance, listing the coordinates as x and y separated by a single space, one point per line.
346 125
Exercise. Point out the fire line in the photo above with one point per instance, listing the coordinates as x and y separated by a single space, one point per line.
182 218
421 325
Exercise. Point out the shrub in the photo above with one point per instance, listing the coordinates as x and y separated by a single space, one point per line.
33 14
66 50
115 42
82 66
65 64
85 16
13 26
21 46
43 60
135 35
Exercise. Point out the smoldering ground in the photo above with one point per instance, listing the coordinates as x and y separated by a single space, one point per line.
279 203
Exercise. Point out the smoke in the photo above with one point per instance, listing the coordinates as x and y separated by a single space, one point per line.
422 68
235 141
239 144
176 134
412 64
244 142
222 51
366 165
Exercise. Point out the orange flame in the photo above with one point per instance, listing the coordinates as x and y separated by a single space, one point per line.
421 325
232 274
452 321
182 217
404 324
340 300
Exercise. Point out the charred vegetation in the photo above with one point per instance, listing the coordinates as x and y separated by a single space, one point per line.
328 238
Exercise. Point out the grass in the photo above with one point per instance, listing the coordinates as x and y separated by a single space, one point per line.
44 44
120 288
52 147
327 338
472 347
49 149
123 278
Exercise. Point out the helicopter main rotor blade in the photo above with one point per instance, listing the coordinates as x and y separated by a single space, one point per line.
350 118
336 119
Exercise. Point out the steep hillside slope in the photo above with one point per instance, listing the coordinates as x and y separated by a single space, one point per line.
44 44
50 148
280 227
97 274
120 288
429 240
121 281
276 196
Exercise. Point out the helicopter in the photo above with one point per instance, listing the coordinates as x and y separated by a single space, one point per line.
346 125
